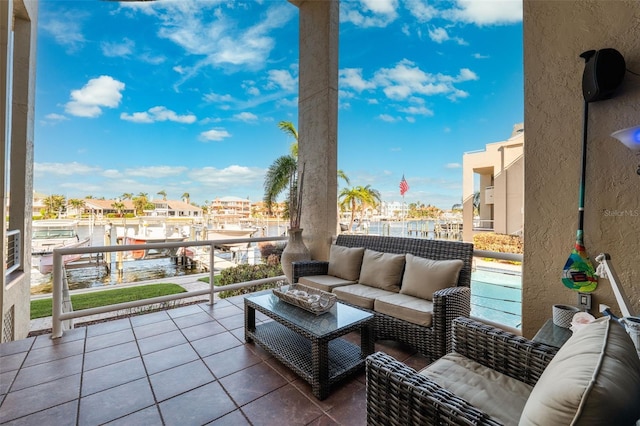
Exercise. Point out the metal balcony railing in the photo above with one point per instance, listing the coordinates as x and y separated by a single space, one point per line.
483 224
13 254
492 300
63 313
496 291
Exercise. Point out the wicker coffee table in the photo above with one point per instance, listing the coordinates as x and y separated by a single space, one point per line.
310 344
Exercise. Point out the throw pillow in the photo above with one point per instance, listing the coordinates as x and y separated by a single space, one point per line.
382 270
422 277
594 379
345 262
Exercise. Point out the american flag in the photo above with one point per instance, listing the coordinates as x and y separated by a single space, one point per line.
404 186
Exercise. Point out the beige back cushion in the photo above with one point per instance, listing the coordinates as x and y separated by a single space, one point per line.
422 277
382 270
345 262
594 379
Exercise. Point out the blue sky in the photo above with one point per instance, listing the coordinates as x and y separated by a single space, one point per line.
185 95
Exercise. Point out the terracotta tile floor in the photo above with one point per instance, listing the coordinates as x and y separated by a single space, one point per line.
183 366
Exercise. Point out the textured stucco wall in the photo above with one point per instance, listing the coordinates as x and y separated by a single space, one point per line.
555 34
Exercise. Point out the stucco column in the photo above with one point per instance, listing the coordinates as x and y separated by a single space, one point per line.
318 121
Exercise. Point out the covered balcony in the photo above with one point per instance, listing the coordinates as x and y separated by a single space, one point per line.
190 365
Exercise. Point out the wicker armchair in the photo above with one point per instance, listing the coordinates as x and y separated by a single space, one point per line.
432 341
398 395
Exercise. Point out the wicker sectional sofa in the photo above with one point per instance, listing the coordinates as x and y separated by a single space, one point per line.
419 322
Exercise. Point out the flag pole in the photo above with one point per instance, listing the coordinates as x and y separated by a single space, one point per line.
403 218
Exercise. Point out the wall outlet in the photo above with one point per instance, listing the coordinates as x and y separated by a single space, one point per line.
584 301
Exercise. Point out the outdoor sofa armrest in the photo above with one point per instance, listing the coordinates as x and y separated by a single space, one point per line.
515 356
308 267
398 396
449 304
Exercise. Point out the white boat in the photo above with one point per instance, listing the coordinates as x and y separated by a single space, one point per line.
231 231
48 235
152 234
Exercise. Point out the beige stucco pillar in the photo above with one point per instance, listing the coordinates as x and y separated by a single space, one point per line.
318 121
555 34
18 27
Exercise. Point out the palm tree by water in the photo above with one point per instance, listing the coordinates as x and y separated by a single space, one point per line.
358 199
164 194
282 173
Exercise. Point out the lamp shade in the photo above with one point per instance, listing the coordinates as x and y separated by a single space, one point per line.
630 137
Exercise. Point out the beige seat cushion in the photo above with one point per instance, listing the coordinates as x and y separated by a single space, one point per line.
594 379
324 282
345 262
498 395
360 295
422 277
382 270
408 308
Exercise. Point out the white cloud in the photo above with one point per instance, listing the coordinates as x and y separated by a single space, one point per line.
233 175
406 80
453 166
151 58
63 169
217 98
282 79
66 28
388 118
480 56
158 113
246 117
420 10
440 35
205 31
115 49
417 110
217 134
352 78
410 119
487 12
156 172
98 93
369 13
55 117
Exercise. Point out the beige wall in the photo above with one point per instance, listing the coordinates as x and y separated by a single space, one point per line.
15 291
555 34
503 160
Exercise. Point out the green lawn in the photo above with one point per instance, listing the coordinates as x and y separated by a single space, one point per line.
42 308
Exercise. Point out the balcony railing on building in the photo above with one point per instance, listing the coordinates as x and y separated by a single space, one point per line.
483 224
13 253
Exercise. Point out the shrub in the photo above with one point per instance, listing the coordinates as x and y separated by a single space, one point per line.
268 250
501 243
242 273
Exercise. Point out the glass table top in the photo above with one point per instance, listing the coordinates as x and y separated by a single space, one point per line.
339 316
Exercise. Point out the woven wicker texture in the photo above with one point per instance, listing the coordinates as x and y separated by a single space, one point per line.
434 341
320 360
321 305
398 395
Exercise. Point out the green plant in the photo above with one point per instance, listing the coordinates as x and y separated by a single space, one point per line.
242 273
42 307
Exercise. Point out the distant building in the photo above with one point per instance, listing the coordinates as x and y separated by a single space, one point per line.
230 208
498 173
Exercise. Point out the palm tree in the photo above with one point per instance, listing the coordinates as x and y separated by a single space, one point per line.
164 194
127 196
119 206
476 203
186 197
283 171
140 203
77 204
53 205
357 199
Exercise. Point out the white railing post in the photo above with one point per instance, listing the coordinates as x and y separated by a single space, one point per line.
212 274
56 297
